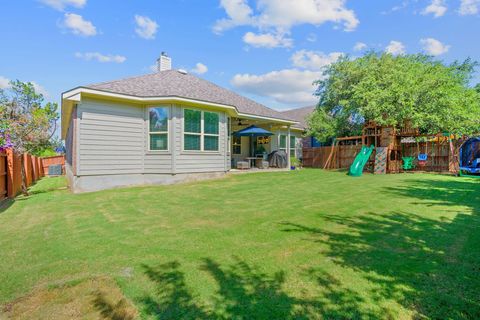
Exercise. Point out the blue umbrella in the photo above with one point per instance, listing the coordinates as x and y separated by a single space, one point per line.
252 131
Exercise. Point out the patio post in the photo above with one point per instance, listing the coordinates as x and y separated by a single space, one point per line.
288 149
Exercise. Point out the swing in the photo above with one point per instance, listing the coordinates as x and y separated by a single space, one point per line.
422 157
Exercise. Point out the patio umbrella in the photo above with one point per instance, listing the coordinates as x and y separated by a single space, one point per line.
252 132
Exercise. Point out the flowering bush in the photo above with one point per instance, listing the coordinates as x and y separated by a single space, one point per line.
5 141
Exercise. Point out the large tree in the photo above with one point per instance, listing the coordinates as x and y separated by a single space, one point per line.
27 123
392 89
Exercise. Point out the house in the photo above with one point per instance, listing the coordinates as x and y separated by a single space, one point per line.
163 128
301 115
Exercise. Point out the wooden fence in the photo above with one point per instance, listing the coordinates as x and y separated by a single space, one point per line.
317 157
11 173
439 156
48 161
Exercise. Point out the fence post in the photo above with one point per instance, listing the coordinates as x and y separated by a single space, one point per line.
40 167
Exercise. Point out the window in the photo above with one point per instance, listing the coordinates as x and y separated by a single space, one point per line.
229 134
201 130
237 145
293 146
283 142
158 128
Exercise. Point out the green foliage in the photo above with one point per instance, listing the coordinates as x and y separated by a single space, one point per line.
294 162
31 123
46 153
393 89
477 87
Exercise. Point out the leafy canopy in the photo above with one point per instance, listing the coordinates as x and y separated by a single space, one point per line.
393 89
27 123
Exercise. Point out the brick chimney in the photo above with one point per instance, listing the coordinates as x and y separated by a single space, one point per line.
164 62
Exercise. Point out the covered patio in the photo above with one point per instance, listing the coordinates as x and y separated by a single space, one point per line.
255 142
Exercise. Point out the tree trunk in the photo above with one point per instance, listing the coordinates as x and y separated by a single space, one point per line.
24 176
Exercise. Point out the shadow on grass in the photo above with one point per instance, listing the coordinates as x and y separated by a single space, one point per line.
112 310
5 204
429 265
245 292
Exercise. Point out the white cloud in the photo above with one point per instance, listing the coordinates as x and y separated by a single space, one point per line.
314 60
289 86
436 7
78 25
4 82
360 46
146 27
62 4
200 68
282 15
40 89
239 13
267 40
434 47
88 56
395 48
469 7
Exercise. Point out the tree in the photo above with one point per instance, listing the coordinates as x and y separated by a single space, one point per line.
27 122
477 87
390 90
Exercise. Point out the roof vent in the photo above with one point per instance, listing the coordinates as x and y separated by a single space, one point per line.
164 63
182 71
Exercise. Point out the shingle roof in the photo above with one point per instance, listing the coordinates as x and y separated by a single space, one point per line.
300 115
173 83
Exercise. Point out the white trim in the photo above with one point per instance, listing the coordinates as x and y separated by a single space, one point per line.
202 133
289 164
168 132
72 95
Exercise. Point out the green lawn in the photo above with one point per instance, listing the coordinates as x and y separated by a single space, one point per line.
304 244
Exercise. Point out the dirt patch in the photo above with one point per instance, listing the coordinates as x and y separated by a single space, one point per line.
98 298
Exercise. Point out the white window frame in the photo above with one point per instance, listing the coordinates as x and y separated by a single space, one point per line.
149 133
202 133
294 147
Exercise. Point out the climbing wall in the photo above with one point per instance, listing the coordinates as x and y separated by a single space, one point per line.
381 160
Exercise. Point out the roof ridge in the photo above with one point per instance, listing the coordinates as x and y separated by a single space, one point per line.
125 78
239 95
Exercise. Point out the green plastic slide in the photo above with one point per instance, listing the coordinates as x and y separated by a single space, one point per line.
356 169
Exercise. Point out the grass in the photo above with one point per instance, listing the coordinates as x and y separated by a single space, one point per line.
305 244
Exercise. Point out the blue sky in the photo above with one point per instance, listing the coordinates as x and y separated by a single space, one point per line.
268 50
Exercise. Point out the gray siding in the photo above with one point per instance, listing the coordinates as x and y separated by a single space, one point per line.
113 139
192 161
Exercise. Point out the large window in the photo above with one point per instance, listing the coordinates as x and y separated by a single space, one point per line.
201 130
158 128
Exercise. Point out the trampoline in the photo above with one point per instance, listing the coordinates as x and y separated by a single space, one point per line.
470 157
